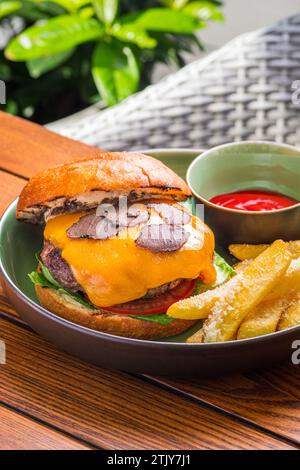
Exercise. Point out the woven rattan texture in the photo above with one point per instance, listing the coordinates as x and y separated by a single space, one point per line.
243 91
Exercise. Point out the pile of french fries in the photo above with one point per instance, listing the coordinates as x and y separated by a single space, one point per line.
263 297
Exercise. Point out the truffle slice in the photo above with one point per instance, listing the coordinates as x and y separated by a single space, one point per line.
108 221
92 226
162 237
171 214
137 214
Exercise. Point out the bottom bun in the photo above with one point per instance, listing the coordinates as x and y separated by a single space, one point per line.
119 325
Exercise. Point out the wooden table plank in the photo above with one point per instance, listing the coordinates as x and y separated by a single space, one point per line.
285 377
26 148
6 309
11 187
17 432
111 409
265 398
256 397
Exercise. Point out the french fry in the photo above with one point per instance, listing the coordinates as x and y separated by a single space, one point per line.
196 337
275 312
240 267
248 290
244 252
291 316
290 282
263 319
199 306
294 247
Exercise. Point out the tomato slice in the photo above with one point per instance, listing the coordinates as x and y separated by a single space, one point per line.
159 304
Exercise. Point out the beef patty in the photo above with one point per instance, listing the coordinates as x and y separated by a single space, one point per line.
58 267
63 273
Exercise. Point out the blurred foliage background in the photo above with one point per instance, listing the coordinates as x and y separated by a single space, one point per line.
57 57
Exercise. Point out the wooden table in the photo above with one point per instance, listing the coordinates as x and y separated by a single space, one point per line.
50 400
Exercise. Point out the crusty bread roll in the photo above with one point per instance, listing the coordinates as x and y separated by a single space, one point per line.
120 325
82 185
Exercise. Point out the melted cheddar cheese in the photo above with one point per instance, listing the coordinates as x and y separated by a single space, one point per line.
116 270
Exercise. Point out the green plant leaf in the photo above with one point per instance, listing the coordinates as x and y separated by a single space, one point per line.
66 4
177 4
133 33
106 10
5 72
7 8
86 12
38 67
69 5
39 10
11 107
115 71
55 35
165 20
204 11
81 3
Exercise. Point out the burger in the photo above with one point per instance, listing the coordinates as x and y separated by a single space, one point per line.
120 244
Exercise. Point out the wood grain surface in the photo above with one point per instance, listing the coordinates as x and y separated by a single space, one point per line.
259 398
11 187
109 409
69 403
262 399
27 148
18 432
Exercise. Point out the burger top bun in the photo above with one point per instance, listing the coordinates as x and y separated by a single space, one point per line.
83 185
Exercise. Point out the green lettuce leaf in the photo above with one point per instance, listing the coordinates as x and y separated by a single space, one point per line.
38 279
46 273
162 318
224 270
224 273
45 279
77 297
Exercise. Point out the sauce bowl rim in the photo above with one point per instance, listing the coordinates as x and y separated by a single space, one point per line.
236 144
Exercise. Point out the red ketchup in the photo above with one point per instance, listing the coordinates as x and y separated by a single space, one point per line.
254 200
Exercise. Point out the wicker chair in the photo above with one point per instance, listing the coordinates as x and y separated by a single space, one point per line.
242 91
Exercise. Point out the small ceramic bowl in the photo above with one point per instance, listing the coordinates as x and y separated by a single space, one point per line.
248 165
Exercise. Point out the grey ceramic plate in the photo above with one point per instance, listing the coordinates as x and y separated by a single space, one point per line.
20 242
